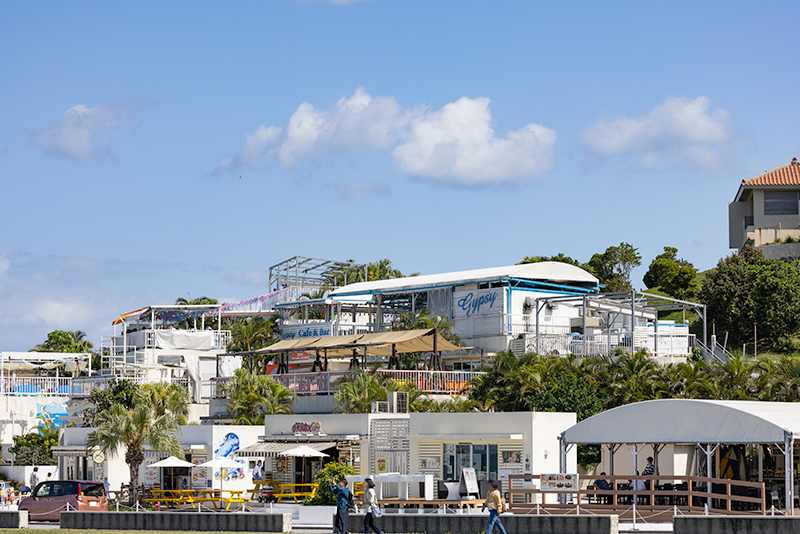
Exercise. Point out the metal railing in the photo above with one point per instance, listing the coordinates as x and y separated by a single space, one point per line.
146 339
27 386
82 387
597 344
323 383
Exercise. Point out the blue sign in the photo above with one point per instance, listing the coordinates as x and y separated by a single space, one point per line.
472 305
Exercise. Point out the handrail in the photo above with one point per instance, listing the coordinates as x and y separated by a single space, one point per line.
668 497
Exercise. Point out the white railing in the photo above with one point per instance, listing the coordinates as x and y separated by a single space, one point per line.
588 345
132 341
26 386
82 387
323 383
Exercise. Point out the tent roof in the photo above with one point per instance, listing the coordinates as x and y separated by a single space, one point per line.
273 448
377 344
547 271
690 421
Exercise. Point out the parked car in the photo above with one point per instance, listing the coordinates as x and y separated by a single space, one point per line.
49 499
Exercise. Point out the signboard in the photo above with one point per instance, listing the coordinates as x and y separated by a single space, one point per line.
477 302
469 482
381 464
297 331
306 428
298 357
559 482
151 474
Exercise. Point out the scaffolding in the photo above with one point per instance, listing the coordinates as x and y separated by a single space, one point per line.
312 274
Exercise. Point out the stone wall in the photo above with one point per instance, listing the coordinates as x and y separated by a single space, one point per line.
726 524
208 521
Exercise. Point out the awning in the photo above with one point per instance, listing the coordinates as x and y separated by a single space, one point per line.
132 314
275 448
376 344
685 421
70 450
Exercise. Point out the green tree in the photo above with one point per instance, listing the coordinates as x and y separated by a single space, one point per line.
676 277
613 267
72 341
117 392
36 447
558 257
165 399
331 471
252 333
133 429
251 396
358 389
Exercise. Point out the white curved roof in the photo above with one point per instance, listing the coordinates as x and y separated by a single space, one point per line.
690 421
550 271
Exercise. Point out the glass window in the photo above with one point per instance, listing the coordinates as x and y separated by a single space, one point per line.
780 203
483 458
44 489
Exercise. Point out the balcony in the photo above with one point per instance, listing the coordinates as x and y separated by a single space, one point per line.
322 383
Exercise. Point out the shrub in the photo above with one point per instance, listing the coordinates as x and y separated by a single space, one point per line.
333 470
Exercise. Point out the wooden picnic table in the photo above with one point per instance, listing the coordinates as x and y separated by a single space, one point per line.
164 496
235 496
296 490
198 497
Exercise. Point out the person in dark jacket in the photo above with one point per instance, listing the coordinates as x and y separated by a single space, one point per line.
342 504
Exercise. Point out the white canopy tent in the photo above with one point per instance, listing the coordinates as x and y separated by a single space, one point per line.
706 423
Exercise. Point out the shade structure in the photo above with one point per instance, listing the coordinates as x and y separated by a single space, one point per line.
376 344
305 451
684 421
172 461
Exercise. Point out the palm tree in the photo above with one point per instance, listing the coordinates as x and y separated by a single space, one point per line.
79 341
165 399
134 429
251 396
358 389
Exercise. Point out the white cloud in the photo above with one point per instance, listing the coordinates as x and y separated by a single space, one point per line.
455 144
82 134
458 145
248 278
680 131
358 189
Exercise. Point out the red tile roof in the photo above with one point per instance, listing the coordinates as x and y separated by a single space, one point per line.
786 175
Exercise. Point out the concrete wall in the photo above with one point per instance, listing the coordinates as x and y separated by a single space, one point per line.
207 521
469 524
14 519
22 473
727 524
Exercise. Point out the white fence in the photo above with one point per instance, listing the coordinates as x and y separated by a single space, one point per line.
588 345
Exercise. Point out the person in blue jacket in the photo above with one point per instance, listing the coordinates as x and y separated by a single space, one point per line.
342 504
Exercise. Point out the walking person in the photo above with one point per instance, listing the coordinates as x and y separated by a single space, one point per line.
495 503
34 478
257 472
343 498
371 507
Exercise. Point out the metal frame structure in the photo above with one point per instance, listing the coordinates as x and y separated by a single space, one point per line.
307 273
633 303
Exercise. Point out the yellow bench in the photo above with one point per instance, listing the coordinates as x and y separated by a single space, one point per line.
294 491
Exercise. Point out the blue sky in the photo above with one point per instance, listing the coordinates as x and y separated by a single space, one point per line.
153 150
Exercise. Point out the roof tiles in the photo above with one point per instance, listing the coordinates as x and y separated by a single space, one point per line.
788 174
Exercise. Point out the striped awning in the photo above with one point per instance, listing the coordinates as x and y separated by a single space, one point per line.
70 450
275 448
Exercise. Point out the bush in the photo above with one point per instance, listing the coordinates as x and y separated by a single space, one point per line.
333 470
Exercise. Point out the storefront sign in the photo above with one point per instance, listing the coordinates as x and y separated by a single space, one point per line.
300 357
559 482
381 464
473 302
304 428
296 331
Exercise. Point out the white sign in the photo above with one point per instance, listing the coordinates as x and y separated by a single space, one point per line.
469 482
477 302
559 482
298 331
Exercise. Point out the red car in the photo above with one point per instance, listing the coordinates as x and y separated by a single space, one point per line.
49 499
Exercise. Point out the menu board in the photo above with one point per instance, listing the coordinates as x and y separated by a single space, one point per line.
559 482
469 482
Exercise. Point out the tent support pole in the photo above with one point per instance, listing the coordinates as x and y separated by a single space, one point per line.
709 452
537 327
788 455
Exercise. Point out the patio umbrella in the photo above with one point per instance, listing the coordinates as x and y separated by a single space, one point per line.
304 451
172 462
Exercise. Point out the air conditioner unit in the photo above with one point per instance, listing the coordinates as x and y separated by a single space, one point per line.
517 346
380 407
398 401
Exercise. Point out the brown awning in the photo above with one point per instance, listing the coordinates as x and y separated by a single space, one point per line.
376 344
